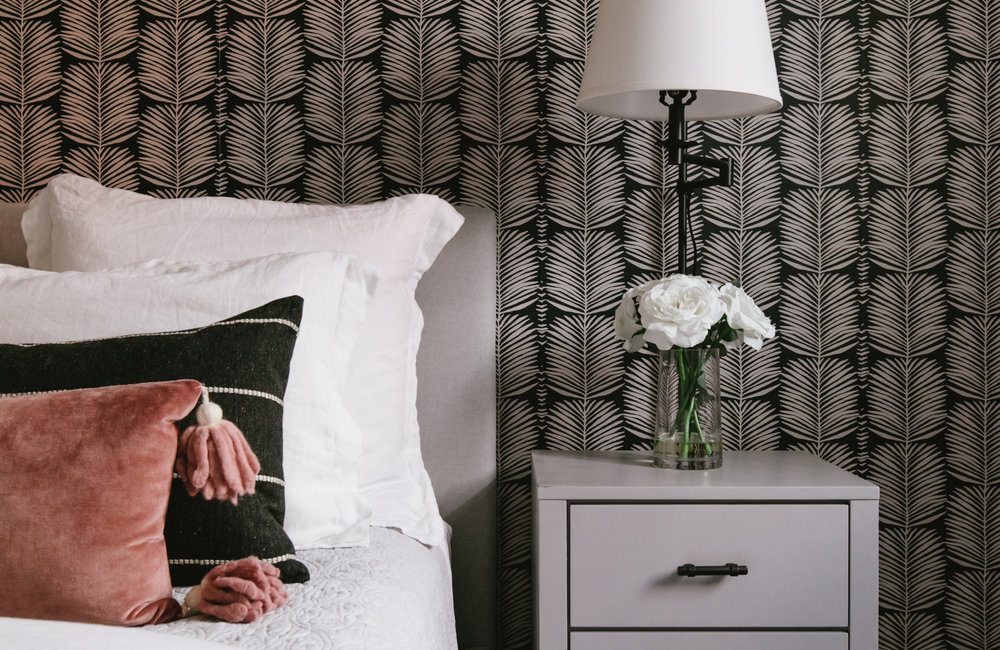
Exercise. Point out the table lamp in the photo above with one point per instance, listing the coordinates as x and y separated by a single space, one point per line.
678 60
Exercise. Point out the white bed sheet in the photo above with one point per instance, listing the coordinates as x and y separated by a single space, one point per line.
394 594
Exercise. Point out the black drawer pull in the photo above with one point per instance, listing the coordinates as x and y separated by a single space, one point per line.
690 570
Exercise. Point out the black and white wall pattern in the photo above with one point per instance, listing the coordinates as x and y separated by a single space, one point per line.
865 219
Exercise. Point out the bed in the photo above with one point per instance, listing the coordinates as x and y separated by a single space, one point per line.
394 592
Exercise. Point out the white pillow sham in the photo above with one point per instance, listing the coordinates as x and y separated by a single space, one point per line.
322 445
76 223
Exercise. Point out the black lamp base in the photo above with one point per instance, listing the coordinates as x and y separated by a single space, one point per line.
676 143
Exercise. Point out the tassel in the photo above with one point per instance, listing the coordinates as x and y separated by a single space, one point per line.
237 592
214 458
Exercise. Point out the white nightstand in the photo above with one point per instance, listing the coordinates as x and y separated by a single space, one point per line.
612 533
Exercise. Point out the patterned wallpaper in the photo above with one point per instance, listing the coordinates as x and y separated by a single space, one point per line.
865 219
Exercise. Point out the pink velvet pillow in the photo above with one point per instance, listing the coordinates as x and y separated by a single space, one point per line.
84 480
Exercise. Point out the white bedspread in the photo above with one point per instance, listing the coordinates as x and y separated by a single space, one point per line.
31 634
393 594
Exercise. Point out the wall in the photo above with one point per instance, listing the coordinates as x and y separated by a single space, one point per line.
865 219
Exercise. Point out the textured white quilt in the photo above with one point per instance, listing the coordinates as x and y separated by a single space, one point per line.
394 594
32 634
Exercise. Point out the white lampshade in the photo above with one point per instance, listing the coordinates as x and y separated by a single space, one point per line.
721 48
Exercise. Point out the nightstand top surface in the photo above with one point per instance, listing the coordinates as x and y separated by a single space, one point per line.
744 476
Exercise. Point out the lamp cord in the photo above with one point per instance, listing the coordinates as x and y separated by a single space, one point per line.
695 260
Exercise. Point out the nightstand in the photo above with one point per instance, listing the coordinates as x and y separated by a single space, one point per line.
775 550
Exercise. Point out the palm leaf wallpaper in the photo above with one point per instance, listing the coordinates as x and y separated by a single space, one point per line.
865 219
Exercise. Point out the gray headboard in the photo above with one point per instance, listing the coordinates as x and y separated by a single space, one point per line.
456 406
456 370
11 239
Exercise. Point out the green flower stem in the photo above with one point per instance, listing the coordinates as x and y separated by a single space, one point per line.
686 447
701 434
687 411
683 405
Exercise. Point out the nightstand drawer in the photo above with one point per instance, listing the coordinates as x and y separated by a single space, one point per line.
623 561
709 640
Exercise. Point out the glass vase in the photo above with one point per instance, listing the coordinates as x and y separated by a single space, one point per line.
688 425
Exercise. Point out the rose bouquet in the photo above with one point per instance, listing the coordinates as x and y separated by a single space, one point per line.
692 322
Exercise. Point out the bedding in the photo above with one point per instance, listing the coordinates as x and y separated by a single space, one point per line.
439 386
75 223
394 594
321 443
243 360
30 634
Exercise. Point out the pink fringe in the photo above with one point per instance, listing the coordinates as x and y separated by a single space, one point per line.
242 591
216 460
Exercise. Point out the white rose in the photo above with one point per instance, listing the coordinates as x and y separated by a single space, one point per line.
743 315
627 325
679 311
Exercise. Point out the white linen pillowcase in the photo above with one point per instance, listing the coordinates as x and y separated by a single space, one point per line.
321 443
76 223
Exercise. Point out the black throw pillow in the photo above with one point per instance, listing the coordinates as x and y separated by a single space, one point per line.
243 361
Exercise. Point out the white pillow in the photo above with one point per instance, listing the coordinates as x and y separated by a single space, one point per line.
75 223
322 445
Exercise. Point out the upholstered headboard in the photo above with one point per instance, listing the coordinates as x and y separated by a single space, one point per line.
456 404
11 239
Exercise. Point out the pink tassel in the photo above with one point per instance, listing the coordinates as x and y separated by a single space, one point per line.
238 592
214 458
